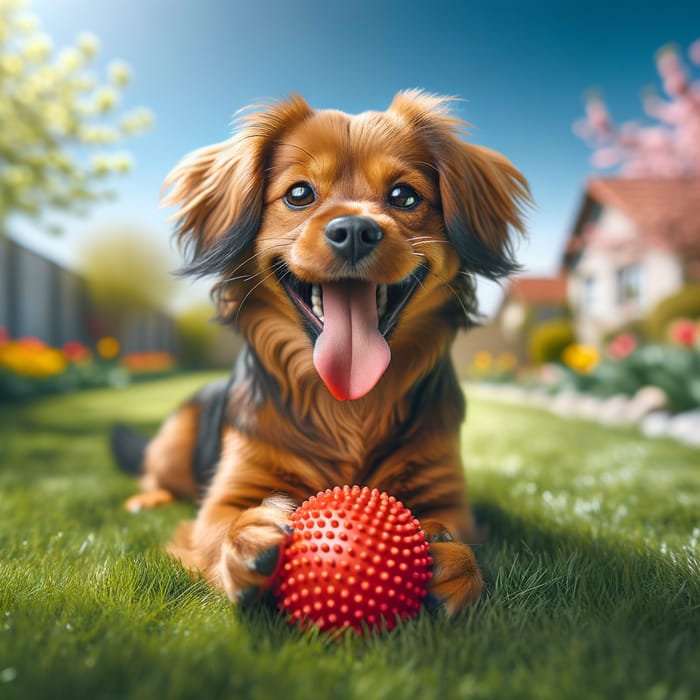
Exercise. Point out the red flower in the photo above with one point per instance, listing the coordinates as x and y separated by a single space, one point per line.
75 351
622 346
682 332
4 336
31 343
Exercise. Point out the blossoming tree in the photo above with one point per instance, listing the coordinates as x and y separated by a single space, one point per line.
60 124
668 148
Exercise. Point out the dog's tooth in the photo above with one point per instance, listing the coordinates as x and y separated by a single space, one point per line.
316 303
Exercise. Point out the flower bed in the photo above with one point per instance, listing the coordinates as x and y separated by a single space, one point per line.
627 366
29 367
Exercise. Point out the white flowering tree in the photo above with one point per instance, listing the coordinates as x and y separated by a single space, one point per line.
60 125
667 148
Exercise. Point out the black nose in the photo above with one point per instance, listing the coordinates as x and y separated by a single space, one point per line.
352 237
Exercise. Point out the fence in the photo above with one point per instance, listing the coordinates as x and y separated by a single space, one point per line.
40 298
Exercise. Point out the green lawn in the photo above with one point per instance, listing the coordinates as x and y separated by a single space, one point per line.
592 571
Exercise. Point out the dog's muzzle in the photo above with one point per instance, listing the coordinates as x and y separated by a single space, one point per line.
352 238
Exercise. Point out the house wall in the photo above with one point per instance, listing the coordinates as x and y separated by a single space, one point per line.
614 243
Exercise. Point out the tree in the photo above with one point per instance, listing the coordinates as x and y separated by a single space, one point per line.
59 123
126 271
668 148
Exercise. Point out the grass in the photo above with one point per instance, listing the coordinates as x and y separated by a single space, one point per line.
592 570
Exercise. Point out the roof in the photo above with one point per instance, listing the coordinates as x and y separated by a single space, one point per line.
662 208
539 291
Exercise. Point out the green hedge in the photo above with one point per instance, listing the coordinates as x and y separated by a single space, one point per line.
683 304
547 340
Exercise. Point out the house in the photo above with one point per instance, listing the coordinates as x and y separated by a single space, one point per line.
531 300
526 301
634 242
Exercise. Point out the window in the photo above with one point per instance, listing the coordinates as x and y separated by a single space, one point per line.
629 284
588 297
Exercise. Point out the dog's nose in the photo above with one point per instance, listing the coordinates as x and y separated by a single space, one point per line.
352 237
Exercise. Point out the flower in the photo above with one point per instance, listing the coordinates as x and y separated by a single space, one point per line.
119 73
4 336
581 358
108 347
622 346
30 357
482 361
506 362
75 351
88 44
149 361
682 332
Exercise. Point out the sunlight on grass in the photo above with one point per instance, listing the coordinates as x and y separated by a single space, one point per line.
593 585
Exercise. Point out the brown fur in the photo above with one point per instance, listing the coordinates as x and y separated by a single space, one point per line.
284 433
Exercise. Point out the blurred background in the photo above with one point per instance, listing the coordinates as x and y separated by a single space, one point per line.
598 104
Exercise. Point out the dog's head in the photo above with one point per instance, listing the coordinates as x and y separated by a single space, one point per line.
352 226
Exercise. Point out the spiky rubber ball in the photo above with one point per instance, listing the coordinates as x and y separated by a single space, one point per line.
357 558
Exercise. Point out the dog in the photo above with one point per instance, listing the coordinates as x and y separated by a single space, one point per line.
345 250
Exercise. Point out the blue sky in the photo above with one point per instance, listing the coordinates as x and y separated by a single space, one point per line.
521 67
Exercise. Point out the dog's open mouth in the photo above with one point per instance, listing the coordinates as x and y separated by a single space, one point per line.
349 322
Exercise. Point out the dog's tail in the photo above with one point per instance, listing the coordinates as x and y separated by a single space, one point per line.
128 447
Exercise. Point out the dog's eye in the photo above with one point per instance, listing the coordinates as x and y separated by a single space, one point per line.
300 195
403 197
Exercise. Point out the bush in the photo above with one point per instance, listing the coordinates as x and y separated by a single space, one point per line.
635 329
684 303
197 334
548 340
674 369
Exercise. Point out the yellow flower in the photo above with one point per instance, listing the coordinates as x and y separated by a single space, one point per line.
482 361
11 65
107 347
32 360
121 162
581 358
38 48
119 73
88 44
105 99
506 362
70 59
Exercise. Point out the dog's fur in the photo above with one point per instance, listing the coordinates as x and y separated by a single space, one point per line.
285 430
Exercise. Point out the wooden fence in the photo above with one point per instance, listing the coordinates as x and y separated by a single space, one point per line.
39 298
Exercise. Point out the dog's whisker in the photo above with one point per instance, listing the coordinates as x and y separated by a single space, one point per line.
251 258
274 269
454 292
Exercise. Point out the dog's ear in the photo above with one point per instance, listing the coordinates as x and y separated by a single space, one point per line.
482 193
219 189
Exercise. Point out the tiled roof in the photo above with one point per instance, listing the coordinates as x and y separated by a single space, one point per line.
541 291
662 209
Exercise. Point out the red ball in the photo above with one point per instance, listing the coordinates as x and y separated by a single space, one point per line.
356 558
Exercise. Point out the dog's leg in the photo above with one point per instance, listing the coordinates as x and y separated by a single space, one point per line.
236 549
166 469
456 580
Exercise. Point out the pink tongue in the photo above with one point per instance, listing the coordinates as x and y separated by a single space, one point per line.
351 354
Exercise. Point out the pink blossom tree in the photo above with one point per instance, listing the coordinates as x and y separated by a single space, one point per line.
668 148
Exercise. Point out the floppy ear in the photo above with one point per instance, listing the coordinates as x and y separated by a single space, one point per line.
219 189
482 193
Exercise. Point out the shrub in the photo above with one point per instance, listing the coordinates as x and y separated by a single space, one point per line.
197 334
548 340
684 303
674 369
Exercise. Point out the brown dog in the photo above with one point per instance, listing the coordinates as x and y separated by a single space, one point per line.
345 249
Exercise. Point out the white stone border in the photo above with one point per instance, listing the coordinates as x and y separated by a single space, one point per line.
647 409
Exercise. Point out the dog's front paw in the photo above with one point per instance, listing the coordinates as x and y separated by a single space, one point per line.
251 552
456 580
